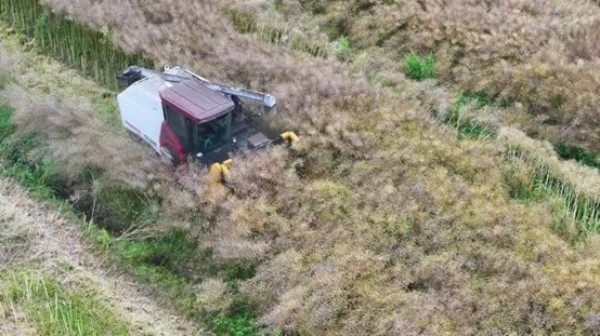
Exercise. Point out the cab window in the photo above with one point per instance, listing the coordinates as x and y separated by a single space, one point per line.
180 125
213 134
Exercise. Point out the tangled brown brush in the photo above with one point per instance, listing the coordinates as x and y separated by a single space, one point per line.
70 126
541 53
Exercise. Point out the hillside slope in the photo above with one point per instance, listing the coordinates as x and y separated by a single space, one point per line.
383 221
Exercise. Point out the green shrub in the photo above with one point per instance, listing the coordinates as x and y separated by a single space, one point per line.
569 152
239 325
175 250
238 271
344 47
419 68
172 250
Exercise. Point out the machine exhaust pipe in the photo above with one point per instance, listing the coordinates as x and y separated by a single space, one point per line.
129 76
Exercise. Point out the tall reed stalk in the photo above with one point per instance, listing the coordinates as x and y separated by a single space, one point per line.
577 190
54 310
73 43
247 24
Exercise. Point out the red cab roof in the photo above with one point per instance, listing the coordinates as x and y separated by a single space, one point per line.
196 100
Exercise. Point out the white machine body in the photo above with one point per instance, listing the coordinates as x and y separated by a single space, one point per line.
141 109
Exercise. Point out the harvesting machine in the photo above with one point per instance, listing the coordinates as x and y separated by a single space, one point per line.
181 114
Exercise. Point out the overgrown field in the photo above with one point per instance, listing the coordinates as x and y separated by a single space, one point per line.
385 220
542 56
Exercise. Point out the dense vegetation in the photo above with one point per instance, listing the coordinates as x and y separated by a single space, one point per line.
543 55
73 43
385 220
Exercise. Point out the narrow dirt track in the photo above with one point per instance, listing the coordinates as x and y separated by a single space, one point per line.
34 235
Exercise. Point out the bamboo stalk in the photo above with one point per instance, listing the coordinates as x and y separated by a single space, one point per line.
75 44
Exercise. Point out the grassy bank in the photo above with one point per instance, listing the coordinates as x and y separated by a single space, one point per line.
162 262
123 216
53 310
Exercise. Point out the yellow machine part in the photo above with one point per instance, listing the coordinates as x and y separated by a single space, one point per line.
219 171
290 137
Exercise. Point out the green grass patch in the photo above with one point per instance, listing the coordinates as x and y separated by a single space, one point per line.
73 43
120 208
6 127
165 262
41 176
506 102
472 130
479 98
419 68
173 251
243 324
236 271
466 127
344 47
177 251
54 310
577 153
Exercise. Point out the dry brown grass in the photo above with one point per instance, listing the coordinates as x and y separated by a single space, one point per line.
381 222
541 53
53 102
